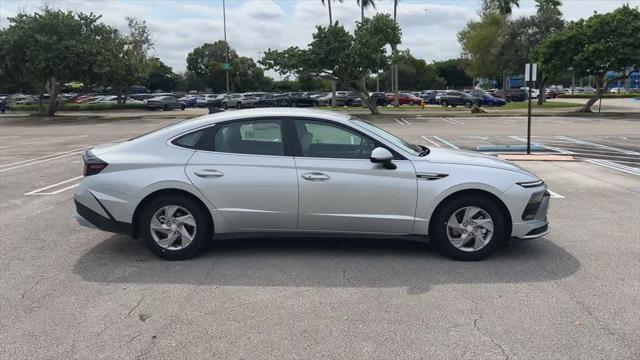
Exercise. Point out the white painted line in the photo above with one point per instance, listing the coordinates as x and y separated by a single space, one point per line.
451 121
39 161
42 157
446 142
34 192
615 166
578 141
399 122
555 195
562 151
405 121
49 141
49 157
431 141
63 189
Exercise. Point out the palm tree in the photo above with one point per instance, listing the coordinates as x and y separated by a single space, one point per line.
504 7
329 6
365 4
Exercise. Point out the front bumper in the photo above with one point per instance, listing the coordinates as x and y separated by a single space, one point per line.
91 219
531 223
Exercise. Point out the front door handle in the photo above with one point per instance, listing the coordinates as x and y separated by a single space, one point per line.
315 176
208 173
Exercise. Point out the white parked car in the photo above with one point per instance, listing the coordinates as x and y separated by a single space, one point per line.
300 172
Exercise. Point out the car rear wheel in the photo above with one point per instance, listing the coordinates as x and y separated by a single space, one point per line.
183 106
174 227
444 103
166 108
467 104
239 105
468 228
225 106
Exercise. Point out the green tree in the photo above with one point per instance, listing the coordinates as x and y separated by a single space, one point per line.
207 61
601 45
160 76
480 41
503 7
51 47
334 54
453 72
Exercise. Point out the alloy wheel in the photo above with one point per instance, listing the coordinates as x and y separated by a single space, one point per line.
173 227
470 228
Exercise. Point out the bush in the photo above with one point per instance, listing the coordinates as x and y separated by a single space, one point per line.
82 107
588 96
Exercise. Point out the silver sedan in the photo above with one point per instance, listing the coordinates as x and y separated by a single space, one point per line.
303 172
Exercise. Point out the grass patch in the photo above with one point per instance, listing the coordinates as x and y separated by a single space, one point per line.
605 96
534 105
82 107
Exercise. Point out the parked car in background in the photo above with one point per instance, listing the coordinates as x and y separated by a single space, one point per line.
455 98
379 98
429 96
512 95
347 98
404 98
298 99
210 100
239 101
490 100
3 103
165 103
618 90
272 100
189 100
534 92
551 93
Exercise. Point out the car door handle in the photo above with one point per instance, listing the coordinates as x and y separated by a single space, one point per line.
208 173
315 176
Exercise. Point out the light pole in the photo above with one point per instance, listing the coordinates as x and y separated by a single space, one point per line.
226 45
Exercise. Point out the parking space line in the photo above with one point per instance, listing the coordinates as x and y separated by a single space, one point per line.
68 152
553 148
555 195
40 161
578 141
39 191
615 166
44 141
402 121
452 121
405 121
446 142
431 141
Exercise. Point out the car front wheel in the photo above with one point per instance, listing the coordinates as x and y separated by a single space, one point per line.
468 228
444 103
174 227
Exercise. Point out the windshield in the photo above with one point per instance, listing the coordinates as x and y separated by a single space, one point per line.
413 149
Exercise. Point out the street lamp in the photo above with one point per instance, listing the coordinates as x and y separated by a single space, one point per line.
226 45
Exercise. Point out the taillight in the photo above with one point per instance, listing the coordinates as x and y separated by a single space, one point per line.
92 164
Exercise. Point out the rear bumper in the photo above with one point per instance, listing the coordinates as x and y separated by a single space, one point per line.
89 218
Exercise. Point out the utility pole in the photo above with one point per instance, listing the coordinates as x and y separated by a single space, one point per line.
226 52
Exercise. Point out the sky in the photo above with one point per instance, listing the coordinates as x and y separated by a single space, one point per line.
429 27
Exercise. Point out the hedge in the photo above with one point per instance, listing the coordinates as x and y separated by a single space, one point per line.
81 107
588 96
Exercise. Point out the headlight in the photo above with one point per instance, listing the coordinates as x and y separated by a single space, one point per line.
531 184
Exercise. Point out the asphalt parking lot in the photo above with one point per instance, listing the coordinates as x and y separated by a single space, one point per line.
71 292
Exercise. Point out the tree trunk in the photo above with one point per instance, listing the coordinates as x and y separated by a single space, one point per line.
333 91
40 107
365 97
601 85
53 96
330 17
541 93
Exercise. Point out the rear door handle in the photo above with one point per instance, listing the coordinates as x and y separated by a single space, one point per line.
208 173
315 176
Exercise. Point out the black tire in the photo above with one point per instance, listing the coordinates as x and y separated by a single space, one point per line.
438 227
454 105
225 106
203 228
239 105
166 108
444 103
467 104
182 107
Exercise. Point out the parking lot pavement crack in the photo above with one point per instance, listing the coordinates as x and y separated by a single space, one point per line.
476 310
135 307
24 293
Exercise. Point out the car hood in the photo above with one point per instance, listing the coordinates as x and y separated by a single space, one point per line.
462 157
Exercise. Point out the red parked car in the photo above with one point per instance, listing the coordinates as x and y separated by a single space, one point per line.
404 99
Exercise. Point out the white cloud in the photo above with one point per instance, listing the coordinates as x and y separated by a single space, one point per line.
429 27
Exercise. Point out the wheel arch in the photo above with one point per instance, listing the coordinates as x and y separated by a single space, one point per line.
135 221
469 192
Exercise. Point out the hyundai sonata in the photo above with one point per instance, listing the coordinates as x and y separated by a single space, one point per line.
303 172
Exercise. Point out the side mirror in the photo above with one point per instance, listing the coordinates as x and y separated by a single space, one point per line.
383 156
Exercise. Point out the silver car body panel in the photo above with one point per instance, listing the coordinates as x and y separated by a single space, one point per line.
268 193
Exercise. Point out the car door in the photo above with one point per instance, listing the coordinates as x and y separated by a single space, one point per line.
341 190
247 175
